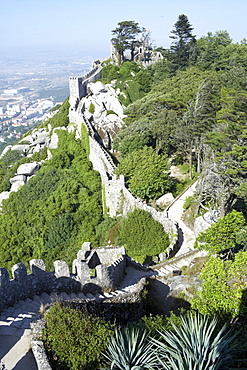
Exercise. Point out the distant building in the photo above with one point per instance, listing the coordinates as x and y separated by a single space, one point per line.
20 90
143 51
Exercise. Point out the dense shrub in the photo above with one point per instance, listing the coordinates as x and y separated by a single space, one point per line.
63 206
145 173
75 339
223 290
142 236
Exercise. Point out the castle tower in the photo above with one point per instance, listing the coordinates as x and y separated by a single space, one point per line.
75 89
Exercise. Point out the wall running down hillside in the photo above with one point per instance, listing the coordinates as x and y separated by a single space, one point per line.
118 199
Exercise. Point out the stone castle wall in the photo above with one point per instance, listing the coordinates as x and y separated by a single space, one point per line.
109 265
78 85
118 199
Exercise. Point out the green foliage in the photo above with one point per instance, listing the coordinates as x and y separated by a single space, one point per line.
110 112
85 139
128 69
145 173
91 108
188 202
61 118
63 206
132 80
130 348
222 234
8 166
124 37
74 338
196 345
40 156
184 44
110 72
223 287
57 107
133 137
142 236
155 323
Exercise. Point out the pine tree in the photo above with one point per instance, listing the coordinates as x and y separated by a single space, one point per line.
184 45
125 35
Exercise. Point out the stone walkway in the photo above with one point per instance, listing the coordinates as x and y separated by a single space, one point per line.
186 253
15 321
175 213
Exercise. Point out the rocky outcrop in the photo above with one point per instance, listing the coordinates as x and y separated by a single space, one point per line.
205 221
28 169
165 200
38 139
104 111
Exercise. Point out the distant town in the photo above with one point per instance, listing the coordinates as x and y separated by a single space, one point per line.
30 85
21 112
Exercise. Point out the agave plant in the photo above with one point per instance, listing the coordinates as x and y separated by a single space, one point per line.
195 345
130 348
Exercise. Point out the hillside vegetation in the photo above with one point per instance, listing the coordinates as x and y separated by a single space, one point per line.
190 110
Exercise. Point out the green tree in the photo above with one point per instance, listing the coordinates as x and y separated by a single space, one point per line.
197 120
222 234
183 46
142 236
146 173
75 338
223 287
125 37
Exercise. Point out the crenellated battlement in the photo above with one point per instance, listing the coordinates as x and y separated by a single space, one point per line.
78 85
118 199
107 263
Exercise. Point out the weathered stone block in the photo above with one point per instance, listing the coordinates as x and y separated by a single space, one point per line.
61 269
28 169
4 277
19 271
84 252
81 269
37 267
102 272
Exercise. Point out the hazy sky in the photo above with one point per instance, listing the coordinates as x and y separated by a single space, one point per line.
86 24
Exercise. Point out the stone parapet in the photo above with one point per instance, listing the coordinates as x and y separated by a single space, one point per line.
109 275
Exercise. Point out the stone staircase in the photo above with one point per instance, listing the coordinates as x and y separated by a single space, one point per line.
15 323
168 267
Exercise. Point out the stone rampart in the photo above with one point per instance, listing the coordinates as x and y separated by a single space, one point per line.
118 199
107 275
78 85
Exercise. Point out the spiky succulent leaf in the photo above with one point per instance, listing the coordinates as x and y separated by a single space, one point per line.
195 346
130 348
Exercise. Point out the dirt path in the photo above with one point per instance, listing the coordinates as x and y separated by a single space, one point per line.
175 212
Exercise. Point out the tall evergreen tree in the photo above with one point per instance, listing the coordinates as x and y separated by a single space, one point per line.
183 47
125 37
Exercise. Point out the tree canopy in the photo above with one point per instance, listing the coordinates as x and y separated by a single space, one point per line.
222 235
125 37
183 46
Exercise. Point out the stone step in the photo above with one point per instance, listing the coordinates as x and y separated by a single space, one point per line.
36 298
90 296
72 296
46 298
63 296
80 295
108 295
99 297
